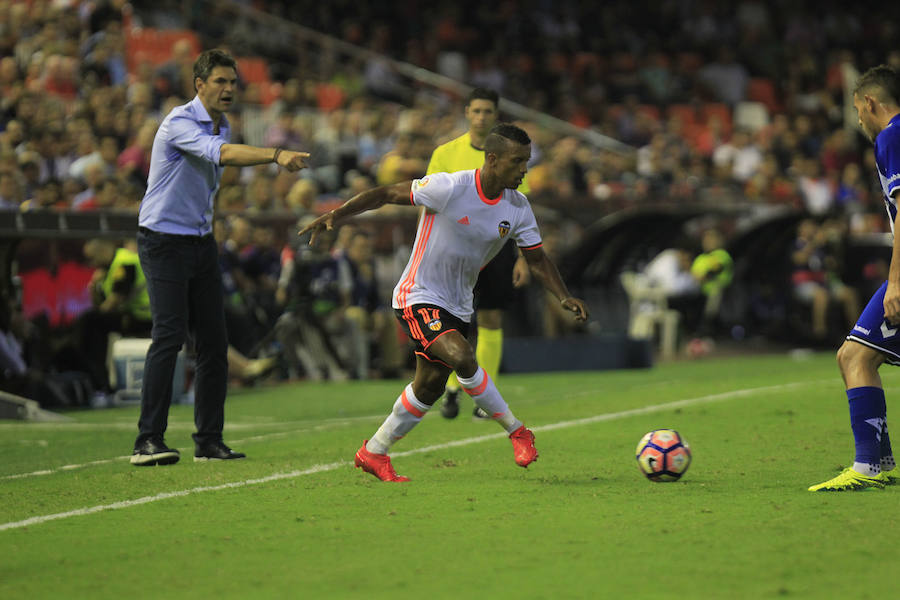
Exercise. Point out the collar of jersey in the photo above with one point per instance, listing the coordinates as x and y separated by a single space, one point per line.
481 195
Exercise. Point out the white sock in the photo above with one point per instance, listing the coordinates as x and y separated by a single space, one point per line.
407 413
486 397
867 469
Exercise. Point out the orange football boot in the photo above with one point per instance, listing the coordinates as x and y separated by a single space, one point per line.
378 465
523 446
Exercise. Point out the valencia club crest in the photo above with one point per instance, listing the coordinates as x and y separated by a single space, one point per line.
503 228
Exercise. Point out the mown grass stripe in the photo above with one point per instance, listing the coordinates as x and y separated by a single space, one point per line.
707 399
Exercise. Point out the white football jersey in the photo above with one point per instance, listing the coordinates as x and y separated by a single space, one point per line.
459 233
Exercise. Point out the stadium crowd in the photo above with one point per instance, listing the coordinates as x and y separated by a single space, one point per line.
722 104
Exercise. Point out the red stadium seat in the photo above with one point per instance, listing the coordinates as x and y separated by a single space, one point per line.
270 92
761 89
329 96
615 112
650 110
155 45
719 110
253 69
686 112
689 62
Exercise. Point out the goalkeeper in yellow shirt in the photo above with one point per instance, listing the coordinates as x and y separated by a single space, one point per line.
494 290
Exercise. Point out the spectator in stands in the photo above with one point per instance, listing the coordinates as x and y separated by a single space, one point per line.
713 268
10 196
817 190
312 286
282 183
13 136
239 322
175 77
121 305
367 309
47 196
670 272
54 147
355 183
816 277
725 78
301 199
134 161
230 200
852 195
29 166
740 155
260 263
105 155
93 180
106 196
260 199
282 132
401 164
19 376
246 325
10 86
248 370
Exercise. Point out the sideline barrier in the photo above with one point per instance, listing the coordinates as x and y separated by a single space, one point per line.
22 409
575 353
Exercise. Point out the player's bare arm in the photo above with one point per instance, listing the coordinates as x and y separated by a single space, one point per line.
892 294
242 155
543 270
398 193
521 272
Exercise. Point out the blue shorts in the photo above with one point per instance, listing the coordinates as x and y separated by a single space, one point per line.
873 331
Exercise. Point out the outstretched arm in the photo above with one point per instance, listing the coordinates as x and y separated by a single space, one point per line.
242 155
397 193
543 269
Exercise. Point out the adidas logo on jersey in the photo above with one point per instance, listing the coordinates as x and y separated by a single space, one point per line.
464 220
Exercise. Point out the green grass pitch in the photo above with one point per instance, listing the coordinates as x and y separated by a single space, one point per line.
296 520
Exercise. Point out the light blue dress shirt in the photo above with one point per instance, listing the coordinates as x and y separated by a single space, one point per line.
184 172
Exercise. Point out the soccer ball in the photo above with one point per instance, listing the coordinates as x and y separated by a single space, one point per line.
663 455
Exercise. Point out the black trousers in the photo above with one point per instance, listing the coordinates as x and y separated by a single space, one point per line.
185 287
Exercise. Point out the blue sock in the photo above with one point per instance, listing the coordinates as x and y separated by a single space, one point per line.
887 454
867 419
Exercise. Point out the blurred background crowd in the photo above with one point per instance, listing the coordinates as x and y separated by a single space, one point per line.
688 103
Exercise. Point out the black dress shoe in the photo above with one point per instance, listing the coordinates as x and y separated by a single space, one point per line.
154 452
216 451
450 407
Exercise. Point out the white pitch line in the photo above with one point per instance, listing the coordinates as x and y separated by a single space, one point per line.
174 426
64 468
321 426
167 495
463 442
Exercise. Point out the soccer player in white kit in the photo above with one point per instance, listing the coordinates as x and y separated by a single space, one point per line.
469 216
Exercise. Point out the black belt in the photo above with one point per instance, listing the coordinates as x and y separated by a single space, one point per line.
175 236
